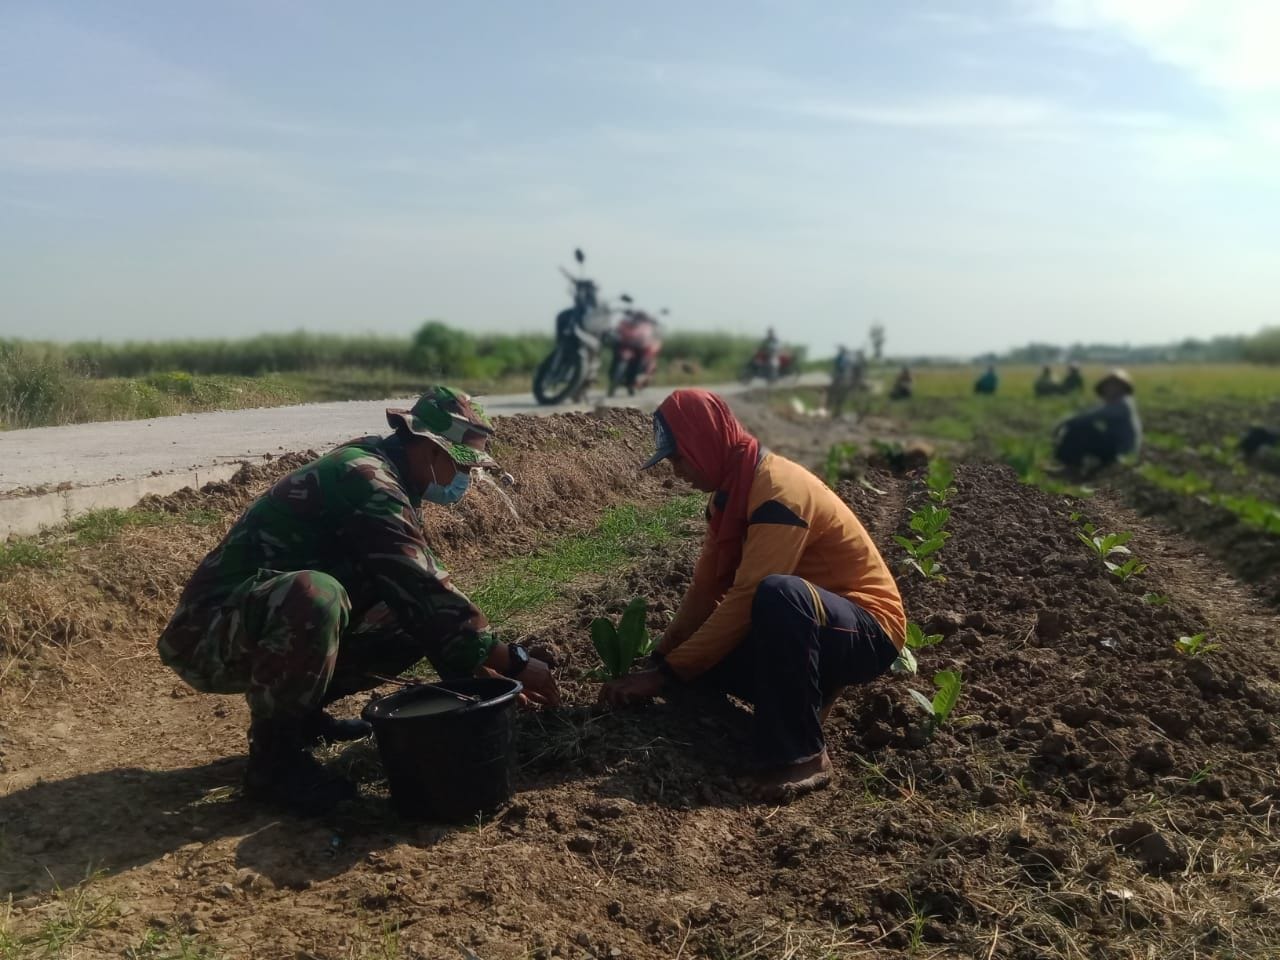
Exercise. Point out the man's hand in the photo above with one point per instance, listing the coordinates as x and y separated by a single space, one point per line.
539 684
633 688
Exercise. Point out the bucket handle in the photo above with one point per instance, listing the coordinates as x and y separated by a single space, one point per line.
411 682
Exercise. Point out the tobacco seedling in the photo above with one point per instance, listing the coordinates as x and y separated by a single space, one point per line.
1156 599
920 554
1194 645
917 639
944 701
906 663
929 521
839 460
1104 544
1130 568
619 646
938 480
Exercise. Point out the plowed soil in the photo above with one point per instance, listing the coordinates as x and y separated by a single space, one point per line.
1095 795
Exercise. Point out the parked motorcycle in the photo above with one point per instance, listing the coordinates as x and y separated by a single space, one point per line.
636 345
759 366
575 358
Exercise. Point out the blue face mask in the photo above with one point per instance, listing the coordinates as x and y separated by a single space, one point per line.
454 492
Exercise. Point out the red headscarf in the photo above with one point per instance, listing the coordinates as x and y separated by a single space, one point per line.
709 437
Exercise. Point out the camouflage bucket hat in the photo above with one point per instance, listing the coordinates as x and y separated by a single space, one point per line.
454 421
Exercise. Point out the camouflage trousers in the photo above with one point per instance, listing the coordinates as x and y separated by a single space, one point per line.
287 642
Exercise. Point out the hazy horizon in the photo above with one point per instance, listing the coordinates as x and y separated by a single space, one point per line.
1099 171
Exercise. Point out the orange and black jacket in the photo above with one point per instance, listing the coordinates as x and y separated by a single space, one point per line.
796 526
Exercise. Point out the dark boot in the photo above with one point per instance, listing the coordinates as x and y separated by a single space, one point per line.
282 773
322 727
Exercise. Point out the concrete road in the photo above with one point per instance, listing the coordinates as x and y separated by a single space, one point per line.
88 453
88 466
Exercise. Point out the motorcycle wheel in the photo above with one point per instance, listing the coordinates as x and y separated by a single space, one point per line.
557 377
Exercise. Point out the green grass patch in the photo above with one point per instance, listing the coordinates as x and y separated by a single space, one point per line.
77 915
98 526
25 552
523 584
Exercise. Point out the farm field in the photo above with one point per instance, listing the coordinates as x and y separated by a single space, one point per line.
48 384
1105 785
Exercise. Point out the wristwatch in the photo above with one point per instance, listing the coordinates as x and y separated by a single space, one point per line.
517 660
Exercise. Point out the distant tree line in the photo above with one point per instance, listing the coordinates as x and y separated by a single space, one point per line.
436 349
1263 347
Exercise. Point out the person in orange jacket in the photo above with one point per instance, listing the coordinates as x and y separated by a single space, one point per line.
790 600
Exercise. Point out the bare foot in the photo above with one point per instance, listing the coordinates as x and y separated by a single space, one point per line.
782 785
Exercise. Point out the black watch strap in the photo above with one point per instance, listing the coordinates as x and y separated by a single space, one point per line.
517 660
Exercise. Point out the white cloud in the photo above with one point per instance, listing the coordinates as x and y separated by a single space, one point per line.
1226 44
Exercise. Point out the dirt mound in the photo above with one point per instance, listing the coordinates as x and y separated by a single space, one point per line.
568 469
1251 553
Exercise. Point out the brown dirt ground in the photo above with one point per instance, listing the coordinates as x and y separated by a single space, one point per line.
1099 796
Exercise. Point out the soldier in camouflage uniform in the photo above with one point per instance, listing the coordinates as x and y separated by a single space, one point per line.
326 579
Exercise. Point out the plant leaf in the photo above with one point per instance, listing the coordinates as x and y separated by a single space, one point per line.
925 703
631 632
604 635
932 545
906 662
944 701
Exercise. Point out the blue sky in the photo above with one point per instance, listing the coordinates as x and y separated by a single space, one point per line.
972 174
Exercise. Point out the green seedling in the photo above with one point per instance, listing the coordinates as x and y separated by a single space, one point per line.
917 639
929 521
939 479
944 701
1156 599
1130 568
839 460
1195 645
1104 544
619 646
920 554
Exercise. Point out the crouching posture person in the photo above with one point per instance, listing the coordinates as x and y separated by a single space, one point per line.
790 600
325 581
1105 432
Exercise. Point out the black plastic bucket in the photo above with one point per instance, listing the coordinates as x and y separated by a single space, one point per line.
447 759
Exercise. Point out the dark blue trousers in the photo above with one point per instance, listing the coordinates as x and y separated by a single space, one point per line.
805 643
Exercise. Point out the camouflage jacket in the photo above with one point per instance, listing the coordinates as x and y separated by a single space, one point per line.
348 514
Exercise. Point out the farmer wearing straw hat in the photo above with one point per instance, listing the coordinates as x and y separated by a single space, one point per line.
1105 432
327 580
790 600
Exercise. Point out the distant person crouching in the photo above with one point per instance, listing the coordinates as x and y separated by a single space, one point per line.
903 386
1256 438
1045 385
1105 432
1073 382
988 383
